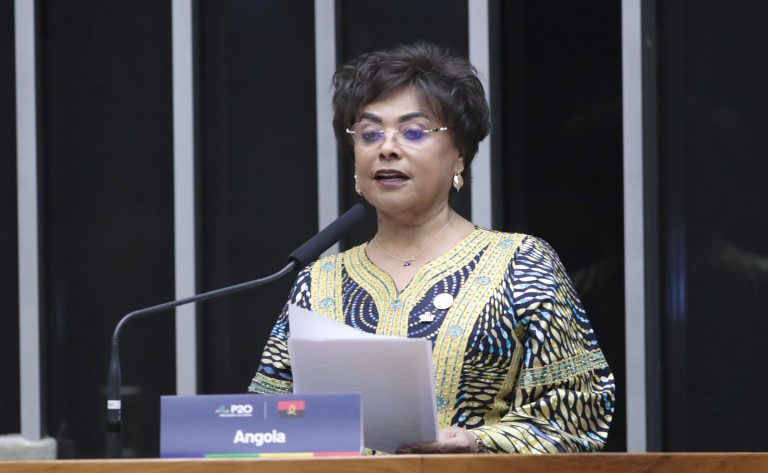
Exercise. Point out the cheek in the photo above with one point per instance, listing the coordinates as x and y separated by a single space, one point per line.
436 177
443 166
361 164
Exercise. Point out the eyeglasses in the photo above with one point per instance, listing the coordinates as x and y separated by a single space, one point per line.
368 134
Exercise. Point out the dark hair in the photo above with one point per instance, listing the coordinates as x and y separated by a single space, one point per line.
448 85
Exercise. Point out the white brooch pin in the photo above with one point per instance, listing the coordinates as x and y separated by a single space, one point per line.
426 317
443 301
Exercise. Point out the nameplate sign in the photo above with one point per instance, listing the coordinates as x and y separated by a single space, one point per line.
251 425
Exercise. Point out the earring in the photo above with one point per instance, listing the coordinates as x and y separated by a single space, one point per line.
357 187
458 181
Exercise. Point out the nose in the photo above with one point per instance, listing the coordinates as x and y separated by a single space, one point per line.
390 147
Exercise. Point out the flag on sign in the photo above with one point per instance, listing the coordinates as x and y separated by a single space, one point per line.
290 408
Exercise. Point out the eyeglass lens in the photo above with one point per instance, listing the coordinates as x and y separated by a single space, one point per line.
368 134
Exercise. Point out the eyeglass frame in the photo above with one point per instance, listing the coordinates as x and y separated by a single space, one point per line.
349 131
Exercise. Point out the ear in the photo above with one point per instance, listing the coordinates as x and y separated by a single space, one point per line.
459 165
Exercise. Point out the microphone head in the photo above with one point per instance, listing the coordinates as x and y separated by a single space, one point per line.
315 246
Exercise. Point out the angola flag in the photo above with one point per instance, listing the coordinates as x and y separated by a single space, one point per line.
290 408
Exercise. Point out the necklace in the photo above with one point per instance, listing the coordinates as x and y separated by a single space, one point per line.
408 261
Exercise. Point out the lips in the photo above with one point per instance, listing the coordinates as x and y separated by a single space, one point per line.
390 175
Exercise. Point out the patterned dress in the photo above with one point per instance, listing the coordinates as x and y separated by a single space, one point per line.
516 360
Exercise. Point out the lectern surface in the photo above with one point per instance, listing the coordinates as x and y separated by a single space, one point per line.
563 463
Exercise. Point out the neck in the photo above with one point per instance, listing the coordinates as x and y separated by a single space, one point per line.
409 234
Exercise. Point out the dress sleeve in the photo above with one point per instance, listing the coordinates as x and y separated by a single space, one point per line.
562 400
273 375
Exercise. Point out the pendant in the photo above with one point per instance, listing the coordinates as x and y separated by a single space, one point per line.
408 262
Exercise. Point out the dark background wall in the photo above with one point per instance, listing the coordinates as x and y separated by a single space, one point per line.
106 175
107 214
258 172
712 98
9 273
558 145
106 189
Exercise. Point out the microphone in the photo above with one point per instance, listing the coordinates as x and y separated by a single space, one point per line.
299 258
310 250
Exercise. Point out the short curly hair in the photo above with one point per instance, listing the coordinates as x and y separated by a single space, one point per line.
447 84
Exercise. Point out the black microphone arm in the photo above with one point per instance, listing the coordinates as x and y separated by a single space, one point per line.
300 257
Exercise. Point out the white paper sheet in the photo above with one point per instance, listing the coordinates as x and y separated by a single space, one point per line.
393 374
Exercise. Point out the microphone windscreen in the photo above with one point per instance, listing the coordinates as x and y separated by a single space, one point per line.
329 235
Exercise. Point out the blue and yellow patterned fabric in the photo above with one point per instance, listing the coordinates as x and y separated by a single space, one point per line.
516 360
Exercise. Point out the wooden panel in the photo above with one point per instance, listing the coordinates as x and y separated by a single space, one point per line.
400 464
599 463
564 463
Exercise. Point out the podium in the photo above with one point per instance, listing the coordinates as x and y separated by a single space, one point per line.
561 463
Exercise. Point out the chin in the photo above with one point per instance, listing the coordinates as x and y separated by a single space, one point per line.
390 204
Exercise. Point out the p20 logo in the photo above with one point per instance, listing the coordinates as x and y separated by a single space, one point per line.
241 409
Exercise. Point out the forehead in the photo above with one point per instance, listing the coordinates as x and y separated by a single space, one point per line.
395 104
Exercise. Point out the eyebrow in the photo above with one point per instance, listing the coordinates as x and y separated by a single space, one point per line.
403 118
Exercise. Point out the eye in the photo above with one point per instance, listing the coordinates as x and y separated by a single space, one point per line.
412 131
368 133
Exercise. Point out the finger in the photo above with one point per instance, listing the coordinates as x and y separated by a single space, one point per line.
431 447
447 433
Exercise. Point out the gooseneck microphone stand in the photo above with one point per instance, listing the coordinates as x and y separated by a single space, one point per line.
114 382
302 256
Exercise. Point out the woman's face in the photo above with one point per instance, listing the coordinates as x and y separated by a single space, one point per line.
401 176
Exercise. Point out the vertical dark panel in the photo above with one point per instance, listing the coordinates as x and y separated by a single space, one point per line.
258 169
561 153
713 172
369 25
675 412
654 361
106 167
9 279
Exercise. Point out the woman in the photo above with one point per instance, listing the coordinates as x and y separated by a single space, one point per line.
517 365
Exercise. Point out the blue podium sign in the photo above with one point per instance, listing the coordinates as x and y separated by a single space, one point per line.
251 425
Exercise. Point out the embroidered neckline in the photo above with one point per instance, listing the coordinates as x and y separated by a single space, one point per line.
394 307
459 253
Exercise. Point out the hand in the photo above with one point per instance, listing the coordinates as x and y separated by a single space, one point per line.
449 440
